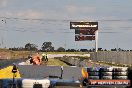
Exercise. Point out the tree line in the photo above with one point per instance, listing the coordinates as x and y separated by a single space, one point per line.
48 47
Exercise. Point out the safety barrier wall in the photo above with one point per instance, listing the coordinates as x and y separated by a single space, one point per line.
115 75
73 61
117 57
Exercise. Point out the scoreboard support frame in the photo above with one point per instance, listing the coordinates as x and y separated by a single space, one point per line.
96 40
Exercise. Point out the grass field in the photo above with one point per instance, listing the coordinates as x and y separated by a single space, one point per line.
9 54
65 52
56 62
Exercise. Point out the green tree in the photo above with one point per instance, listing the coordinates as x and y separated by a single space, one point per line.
47 46
61 49
30 46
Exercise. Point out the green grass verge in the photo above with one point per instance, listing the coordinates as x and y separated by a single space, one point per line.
56 62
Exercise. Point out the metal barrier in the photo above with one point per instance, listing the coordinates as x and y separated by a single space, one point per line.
117 57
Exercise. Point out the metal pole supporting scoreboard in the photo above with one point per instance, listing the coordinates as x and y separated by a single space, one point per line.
96 41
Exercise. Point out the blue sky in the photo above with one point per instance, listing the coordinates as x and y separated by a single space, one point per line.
38 21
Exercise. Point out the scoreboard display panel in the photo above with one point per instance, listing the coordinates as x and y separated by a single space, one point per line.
84 25
83 38
85 32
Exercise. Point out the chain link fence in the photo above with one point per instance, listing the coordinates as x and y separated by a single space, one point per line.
115 57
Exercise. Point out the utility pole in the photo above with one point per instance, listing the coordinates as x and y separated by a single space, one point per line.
65 45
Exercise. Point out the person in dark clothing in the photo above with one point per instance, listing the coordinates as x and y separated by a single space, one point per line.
30 59
44 57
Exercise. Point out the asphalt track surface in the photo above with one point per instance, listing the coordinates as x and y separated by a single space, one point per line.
42 71
7 62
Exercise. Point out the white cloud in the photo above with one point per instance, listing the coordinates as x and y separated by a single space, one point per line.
29 14
80 9
71 9
8 14
3 3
